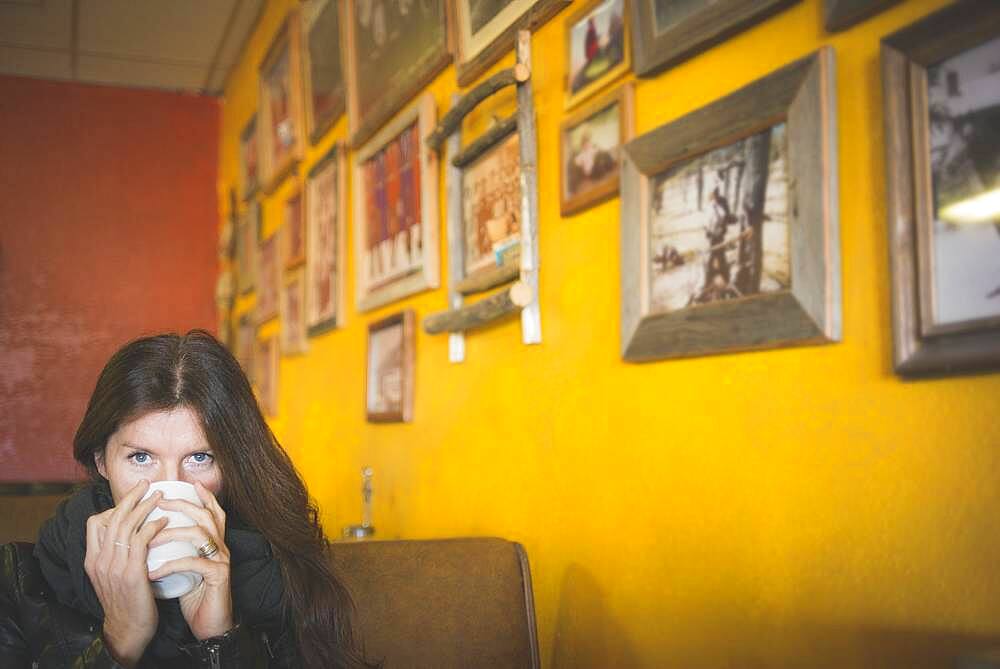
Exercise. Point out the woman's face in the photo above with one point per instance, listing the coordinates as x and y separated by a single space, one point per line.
159 446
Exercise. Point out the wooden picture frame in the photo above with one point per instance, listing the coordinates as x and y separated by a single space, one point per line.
293 230
389 369
292 306
924 343
268 277
396 254
720 310
842 14
325 88
247 239
599 52
250 159
266 359
482 41
246 338
391 56
326 241
590 174
658 44
281 132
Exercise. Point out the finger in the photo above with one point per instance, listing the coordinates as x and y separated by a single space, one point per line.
213 572
196 535
141 542
130 524
125 505
94 540
199 515
212 504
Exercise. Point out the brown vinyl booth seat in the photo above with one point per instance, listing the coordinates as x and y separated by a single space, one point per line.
442 603
435 604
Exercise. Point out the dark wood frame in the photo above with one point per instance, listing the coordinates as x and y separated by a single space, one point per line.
363 125
336 156
470 66
288 38
624 98
842 14
802 95
573 99
250 188
290 261
406 319
921 348
317 127
717 22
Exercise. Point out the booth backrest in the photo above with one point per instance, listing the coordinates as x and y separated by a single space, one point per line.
22 515
442 603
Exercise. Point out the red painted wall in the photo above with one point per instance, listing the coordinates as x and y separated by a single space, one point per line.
108 229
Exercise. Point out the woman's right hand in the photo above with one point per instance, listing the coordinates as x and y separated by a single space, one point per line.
117 545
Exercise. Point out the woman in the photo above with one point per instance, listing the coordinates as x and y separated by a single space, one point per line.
177 408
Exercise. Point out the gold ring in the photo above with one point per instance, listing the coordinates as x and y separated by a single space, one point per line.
208 549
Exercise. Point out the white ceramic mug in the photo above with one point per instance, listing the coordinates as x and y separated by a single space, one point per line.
181 583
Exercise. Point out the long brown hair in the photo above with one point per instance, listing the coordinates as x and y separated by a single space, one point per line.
259 482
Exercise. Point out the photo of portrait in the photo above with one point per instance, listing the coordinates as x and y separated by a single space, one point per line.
282 128
266 375
267 279
294 232
491 205
246 334
249 175
963 96
394 49
292 306
596 44
280 111
719 225
325 241
389 377
326 93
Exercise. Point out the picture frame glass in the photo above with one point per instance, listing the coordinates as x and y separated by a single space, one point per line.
267 279
326 74
323 256
963 111
295 234
592 151
719 224
386 370
278 83
491 205
293 326
249 164
667 14
596 45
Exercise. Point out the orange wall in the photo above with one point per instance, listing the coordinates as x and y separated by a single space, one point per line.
107 231
790 508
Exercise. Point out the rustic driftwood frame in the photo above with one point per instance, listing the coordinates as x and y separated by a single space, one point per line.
317 126
287 40
406 320
842 14
423 112
573 99
250 145
607 187
922 348
474 54
652 52
522 295
802 95
400 90
336 159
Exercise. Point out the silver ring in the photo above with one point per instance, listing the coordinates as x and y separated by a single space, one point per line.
208 549
118 543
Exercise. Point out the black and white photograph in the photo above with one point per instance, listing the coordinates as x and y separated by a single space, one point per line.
389 374
963 94
719 225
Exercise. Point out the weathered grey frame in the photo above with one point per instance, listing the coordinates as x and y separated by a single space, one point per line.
801 94
842 14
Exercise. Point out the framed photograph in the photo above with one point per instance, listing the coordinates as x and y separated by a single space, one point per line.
730 235
294 231
491 206
396 209
842 14
326 258
665 32
247 238
294 339
246 337
394 49
941 87
280 115
323 75
389 375
485 30
597 47
249 172
266 375
267 279
590 146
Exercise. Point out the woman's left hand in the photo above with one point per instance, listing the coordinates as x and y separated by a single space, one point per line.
208 609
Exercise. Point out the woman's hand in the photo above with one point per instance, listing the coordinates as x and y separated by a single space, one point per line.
208 609
117 544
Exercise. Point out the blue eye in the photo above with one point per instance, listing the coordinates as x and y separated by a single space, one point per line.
139 458
202 458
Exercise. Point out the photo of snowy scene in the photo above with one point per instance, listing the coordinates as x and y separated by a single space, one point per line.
597 44
963 95
718 224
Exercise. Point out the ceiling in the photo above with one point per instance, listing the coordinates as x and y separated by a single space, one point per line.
177 45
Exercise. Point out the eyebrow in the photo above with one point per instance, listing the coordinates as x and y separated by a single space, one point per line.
136 447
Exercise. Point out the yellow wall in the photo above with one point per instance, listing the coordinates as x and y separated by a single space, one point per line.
799 507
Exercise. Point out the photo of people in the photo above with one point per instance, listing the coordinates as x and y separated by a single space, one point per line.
963 96
592 154
282 128
719 225
491 205
267 279
385 370
322 258
293 325
597 44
